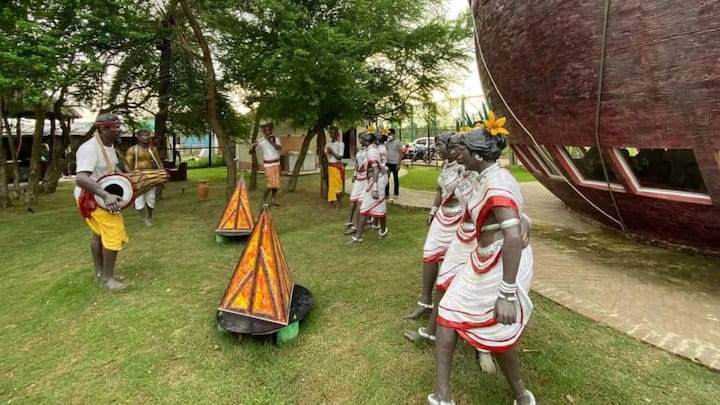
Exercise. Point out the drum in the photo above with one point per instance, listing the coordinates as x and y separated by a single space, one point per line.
120 185
129 185
144 180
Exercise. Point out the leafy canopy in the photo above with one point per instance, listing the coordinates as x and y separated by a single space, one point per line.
330 60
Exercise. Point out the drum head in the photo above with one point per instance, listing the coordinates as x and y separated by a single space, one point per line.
117 184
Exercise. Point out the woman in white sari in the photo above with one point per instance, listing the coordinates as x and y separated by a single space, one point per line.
487 303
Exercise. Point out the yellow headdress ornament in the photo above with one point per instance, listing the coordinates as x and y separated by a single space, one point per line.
495 126
370 130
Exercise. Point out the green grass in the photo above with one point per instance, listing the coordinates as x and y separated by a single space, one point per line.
425 177
196 163
64 340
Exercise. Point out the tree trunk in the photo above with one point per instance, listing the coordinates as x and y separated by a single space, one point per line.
4 194
253 155
56 163
315 129
211 100
14 156
34 178
320 151
164 80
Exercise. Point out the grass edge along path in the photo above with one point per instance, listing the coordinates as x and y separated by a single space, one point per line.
422 177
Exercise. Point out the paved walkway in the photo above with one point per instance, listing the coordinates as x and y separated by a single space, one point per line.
677 316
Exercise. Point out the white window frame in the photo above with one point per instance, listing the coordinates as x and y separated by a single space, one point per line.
577 177
664 194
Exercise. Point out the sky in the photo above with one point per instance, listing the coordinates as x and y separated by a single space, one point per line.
470 85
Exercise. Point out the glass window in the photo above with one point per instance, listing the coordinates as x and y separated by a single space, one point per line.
545 159
525 158
668 169
587 159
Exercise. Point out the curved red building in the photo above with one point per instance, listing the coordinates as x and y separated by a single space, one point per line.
614 107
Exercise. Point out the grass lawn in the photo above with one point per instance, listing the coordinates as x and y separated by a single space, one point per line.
425 177
64 340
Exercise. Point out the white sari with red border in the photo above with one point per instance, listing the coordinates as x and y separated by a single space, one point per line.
370 206
448 216
469 302
464 240
360 176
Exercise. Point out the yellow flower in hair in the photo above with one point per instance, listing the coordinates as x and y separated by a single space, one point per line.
385 131
371 129
495 126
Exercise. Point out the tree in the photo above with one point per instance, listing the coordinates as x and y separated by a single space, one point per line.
325 61
59 50
212 97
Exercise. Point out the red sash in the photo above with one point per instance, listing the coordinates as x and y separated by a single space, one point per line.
340 167
86 203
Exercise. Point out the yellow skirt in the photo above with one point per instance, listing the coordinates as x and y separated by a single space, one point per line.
335 183
110 228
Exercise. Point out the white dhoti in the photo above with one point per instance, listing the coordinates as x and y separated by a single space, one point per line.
146 199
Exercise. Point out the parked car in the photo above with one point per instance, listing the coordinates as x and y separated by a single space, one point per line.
421 149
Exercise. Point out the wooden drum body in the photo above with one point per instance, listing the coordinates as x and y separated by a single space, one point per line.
144 180
130 185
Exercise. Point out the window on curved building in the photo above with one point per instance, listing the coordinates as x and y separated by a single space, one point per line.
667 169
545 159
587 161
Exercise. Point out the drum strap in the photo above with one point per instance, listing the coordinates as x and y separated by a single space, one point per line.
87 203
152 156
110 168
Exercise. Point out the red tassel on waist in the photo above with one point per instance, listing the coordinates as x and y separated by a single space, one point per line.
87 204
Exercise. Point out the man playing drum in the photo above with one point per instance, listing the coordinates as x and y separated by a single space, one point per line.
144 157
95 158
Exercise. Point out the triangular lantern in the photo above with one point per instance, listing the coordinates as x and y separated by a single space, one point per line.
261 287
237 219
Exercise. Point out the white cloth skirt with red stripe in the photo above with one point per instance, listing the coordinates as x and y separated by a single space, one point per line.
442 232
370 206
358 190
457 254
469 303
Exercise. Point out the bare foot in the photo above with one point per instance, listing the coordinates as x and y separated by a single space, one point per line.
418 335
432 399
485 361
114 285
527 399
418 312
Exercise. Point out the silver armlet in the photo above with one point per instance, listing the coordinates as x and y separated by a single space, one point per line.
509 223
